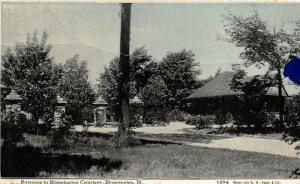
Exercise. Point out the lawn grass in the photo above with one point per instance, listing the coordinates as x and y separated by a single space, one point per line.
178 161
95 156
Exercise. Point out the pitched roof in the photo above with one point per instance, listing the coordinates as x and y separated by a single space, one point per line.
220 86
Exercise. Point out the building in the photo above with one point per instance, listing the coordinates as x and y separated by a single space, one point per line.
217 95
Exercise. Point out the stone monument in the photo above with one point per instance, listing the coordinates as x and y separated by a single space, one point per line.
13 104
136 111
60 109
100 106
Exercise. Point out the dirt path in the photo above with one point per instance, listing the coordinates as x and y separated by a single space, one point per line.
252 144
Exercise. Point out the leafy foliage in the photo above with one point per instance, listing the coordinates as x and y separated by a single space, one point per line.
108 87
155 96
31 72
11 130
201 121
253 101
59 136
179 72
262 45
177 115
293 117
142 67
75 87
161 85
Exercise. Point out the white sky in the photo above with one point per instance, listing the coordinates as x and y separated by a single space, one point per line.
92 30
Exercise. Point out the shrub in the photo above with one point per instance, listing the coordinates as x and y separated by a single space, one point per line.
87 114
155 115
292 118
136 115
59 136
177 115
190 120
201 121
11 131
220 117
274 122
30 126
248 116
229 118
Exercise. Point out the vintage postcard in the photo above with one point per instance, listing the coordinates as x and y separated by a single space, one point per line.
125 92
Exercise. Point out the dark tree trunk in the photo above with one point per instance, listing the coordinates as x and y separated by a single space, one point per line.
124 127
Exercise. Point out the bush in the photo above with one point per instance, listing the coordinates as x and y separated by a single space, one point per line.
292 118
177 115
201 121
274 122
59 136
221 117
136 116
155 115
32 127
11 131
248 116
229 118
87 114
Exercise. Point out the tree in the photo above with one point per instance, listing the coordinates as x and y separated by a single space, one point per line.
179 72
123 136
294 39
142 68
217 72
75 88
108 86
261 45
31 72
253 101
155 96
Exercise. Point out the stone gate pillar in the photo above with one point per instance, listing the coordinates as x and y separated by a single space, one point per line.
136 111
13 104
60 109
100 106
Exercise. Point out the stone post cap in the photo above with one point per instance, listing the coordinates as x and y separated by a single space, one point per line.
136 100
100 102
13 96
60 100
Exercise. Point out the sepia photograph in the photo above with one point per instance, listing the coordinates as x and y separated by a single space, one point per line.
129 90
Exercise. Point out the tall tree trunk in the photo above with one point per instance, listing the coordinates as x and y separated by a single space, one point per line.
123 129
281 99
